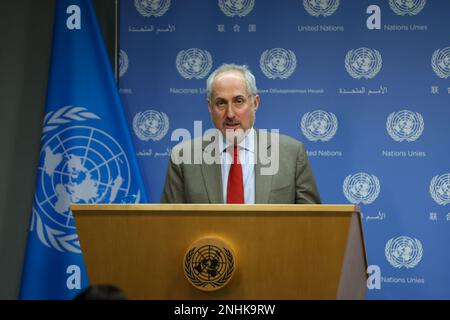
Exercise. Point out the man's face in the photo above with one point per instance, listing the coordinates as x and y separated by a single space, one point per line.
231 105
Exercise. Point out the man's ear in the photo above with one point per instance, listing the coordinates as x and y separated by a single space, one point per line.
209 106
256 103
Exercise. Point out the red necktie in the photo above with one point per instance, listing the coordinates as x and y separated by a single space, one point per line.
235 188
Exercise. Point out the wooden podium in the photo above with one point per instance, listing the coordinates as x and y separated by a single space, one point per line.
282 251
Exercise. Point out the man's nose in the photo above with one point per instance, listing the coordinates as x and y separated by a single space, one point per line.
230 112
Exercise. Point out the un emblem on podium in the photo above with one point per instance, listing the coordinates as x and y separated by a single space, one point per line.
209 264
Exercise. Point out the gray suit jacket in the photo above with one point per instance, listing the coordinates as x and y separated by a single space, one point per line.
202 183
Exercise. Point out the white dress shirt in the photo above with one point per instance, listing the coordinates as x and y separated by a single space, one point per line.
247 158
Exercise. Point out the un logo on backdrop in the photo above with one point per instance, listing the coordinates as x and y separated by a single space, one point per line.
278 63
361 188
123 63
321 7
240 8
405 125
82 164
150 125
440 189
194 63
152 8
319 125
410 7
363 63
440 62
403 252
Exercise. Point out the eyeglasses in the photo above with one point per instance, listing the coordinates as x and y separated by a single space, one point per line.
237 102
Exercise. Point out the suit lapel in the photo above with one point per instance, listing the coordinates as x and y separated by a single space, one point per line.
262 182
212 179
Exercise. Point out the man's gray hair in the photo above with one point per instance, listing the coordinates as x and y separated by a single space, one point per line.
250 80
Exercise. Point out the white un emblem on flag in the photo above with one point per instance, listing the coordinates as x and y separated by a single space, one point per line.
363 63
403 252
319 125
81 164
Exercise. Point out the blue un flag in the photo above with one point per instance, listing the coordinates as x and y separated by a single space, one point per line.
86 155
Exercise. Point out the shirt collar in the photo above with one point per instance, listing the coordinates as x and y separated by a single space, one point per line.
248 143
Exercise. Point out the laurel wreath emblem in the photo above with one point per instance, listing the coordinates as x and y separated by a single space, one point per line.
50 237
229 12
437 182
288 70
328 135
193 278
412 11
372 196
408 264
54 238
436 58
149 9
65 115
368 75
410 138
204 55
313 11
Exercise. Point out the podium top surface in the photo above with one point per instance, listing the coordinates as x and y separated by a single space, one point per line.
208 208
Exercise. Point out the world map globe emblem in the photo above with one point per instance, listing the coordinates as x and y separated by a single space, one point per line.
363 63
150 125
152 8
405 125
194 63
209 264
278 63
319 125
403 252
440 62
407 7
239 8
123 63
440 189
320 7
361 188
79 165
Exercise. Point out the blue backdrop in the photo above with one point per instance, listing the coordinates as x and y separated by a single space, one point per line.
363 84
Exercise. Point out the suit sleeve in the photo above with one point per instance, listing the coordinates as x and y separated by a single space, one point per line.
306 191
173 191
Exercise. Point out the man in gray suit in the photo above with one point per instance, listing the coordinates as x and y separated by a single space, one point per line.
238 164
